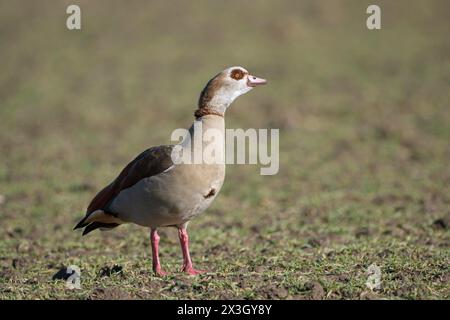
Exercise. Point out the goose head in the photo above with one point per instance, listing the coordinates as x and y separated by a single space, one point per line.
225 87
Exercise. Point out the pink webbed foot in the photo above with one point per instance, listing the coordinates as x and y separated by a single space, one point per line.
187 262
160 273
193 272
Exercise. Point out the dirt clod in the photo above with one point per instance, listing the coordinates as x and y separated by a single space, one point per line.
317 291
440 224
109 271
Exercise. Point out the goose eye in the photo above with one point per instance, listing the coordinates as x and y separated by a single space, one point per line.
237 74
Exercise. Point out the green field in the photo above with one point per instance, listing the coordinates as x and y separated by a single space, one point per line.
364 125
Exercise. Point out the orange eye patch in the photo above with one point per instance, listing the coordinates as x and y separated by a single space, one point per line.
237 74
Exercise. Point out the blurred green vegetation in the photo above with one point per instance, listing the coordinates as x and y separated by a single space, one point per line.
364 145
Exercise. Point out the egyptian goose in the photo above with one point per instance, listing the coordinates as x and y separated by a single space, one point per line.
155 190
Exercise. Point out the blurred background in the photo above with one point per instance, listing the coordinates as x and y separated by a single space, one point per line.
364 145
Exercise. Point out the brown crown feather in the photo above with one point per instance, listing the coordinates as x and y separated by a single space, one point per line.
209 91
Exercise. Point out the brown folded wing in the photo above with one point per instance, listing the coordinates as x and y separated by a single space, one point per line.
149 163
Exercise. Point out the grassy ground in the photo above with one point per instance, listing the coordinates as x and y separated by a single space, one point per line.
364 140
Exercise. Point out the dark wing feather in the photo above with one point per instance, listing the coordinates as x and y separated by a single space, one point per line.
149 163
95 225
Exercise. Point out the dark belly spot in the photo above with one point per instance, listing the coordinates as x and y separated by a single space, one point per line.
210 193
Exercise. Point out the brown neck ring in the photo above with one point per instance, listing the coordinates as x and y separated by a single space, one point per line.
200 112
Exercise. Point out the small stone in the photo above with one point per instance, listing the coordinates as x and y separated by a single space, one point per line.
23 247
440 224
282 293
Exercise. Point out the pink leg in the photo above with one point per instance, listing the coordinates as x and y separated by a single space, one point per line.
187 262
155 253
